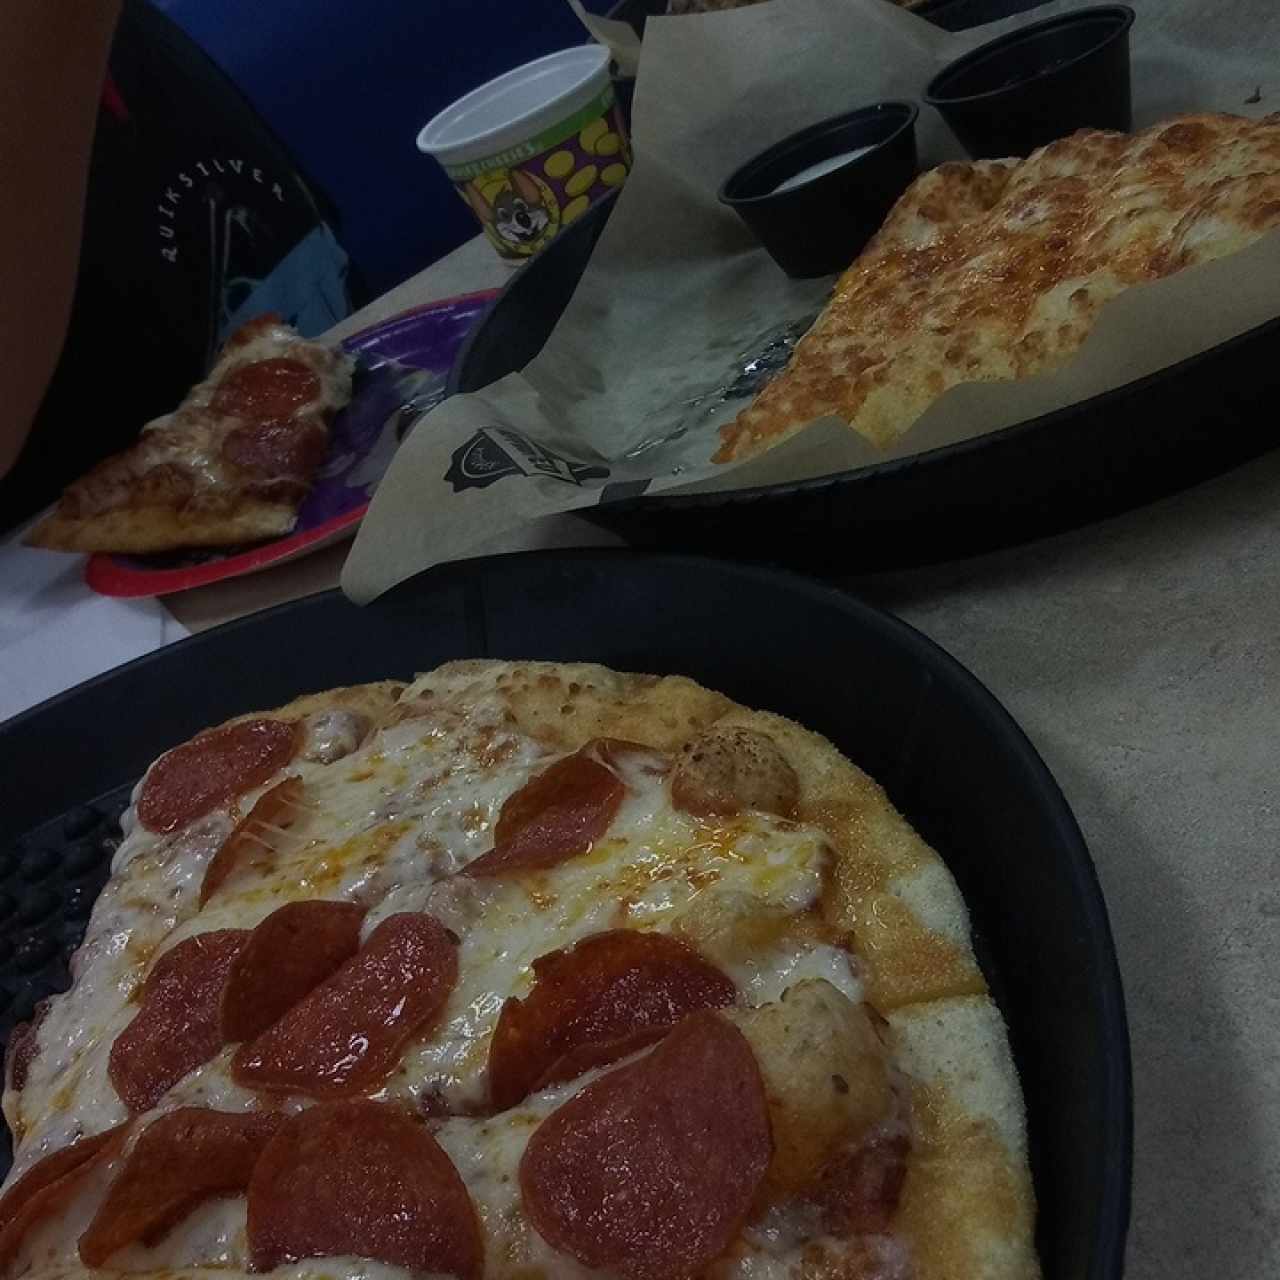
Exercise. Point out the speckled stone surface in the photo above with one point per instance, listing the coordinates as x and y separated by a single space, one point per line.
1142 656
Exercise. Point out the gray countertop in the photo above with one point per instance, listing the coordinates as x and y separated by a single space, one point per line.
1141 657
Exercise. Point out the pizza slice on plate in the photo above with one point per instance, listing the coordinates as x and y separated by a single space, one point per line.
231 464
523 970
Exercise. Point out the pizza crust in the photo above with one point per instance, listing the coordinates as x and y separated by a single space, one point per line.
889 892
375 701
968 1208
137 530
565 704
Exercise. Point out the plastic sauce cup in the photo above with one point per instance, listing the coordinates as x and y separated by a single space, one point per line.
534 149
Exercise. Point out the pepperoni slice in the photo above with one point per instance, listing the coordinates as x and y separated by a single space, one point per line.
289 954
362 1179
195 778
176 1029
49 1184
346 1037
858 1191
651 1170
266 390
183 1158
558 814
595 1003
275 807
277 448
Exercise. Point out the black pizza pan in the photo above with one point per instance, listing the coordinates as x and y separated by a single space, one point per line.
1094 459
950 757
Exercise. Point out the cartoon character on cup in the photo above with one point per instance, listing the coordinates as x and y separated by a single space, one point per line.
517 209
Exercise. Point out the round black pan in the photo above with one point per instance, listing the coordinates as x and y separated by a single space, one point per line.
950 757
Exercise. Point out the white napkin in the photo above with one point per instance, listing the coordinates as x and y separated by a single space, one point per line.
55 632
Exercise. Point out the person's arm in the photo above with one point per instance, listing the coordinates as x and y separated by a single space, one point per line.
53 55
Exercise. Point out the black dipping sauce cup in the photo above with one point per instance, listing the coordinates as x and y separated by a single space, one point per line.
816 226
1042 82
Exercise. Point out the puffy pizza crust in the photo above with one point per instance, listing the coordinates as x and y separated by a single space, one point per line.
375 701
968 1208
565 704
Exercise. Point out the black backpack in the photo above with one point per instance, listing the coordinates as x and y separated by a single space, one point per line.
195 220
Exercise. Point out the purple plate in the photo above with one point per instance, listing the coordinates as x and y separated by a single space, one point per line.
403 364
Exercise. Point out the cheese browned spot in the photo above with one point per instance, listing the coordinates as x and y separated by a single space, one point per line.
826 1076
725 771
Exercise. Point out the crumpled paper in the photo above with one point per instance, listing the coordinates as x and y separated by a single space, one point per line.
679 300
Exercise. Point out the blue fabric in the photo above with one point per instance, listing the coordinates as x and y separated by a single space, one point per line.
346 87
306 287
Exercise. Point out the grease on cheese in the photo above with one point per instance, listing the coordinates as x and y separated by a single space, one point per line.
389 825
648 872
387 815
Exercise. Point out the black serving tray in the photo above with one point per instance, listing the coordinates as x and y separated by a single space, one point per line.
1094 459
950 757
951 15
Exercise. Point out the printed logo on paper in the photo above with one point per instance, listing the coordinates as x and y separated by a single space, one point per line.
494 452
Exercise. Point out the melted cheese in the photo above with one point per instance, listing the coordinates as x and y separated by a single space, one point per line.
786 1245
389 825
998 269
652 866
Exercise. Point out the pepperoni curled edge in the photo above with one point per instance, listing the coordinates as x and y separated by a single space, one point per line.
288 955
277 807
680 1137
594 1003
558 814
346 1037
213 768
49 1184
177 1027
180 1160
364 1179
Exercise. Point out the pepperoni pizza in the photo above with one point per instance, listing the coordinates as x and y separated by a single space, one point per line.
232 464
522 970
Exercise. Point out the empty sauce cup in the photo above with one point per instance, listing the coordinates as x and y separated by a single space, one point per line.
534 149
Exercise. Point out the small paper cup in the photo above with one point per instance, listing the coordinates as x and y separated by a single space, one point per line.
533 150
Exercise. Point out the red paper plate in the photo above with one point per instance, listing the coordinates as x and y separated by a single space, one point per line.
362 442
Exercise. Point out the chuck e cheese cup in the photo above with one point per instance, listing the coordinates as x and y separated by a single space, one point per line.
535 148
